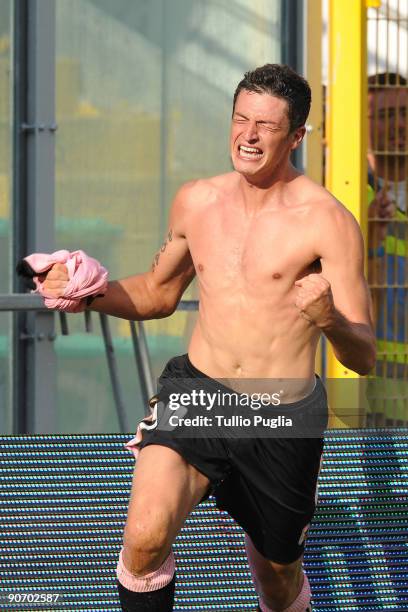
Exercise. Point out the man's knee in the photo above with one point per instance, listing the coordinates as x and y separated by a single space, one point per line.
277 584
276 580
145 547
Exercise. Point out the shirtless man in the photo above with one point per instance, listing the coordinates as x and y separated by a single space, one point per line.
253 237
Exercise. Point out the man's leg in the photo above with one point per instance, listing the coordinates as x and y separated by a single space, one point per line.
280 587
165 489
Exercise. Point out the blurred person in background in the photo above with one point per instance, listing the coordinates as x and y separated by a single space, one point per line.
387 243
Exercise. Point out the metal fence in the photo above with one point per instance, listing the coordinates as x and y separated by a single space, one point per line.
387 234
22 304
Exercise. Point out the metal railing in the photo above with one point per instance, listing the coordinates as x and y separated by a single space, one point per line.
20 302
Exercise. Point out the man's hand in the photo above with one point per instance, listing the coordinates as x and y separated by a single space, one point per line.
382 207
314 299
55 280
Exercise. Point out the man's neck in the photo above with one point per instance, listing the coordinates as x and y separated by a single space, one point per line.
258 193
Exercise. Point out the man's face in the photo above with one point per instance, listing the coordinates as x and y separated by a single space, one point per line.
387 111
260 137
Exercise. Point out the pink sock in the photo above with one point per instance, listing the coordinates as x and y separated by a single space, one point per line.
150 582
301 603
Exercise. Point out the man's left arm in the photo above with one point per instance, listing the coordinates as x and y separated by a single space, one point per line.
338 300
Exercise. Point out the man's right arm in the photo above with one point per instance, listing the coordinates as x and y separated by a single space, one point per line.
153 294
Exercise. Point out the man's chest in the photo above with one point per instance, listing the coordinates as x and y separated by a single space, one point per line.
229 249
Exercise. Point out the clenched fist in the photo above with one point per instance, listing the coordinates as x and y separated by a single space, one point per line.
68 281
314 299
55 280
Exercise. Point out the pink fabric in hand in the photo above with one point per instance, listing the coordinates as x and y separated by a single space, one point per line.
86 277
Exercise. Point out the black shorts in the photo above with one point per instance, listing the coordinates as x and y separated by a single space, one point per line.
267 484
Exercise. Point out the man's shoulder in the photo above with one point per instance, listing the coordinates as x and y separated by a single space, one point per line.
205 185
323 203
205 190
311 192
328 217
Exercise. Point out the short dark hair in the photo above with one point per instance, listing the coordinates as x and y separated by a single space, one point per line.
281 81
383 80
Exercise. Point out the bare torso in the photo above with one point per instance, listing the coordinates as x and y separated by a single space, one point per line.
257 239
246 263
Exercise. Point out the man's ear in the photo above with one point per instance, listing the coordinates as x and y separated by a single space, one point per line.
297 137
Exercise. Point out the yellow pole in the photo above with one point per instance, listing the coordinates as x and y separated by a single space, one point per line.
346 130
314 138
347 118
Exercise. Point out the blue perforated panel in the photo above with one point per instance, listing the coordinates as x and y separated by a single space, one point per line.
63 501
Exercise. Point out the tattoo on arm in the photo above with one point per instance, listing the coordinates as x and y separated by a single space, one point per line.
168 238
